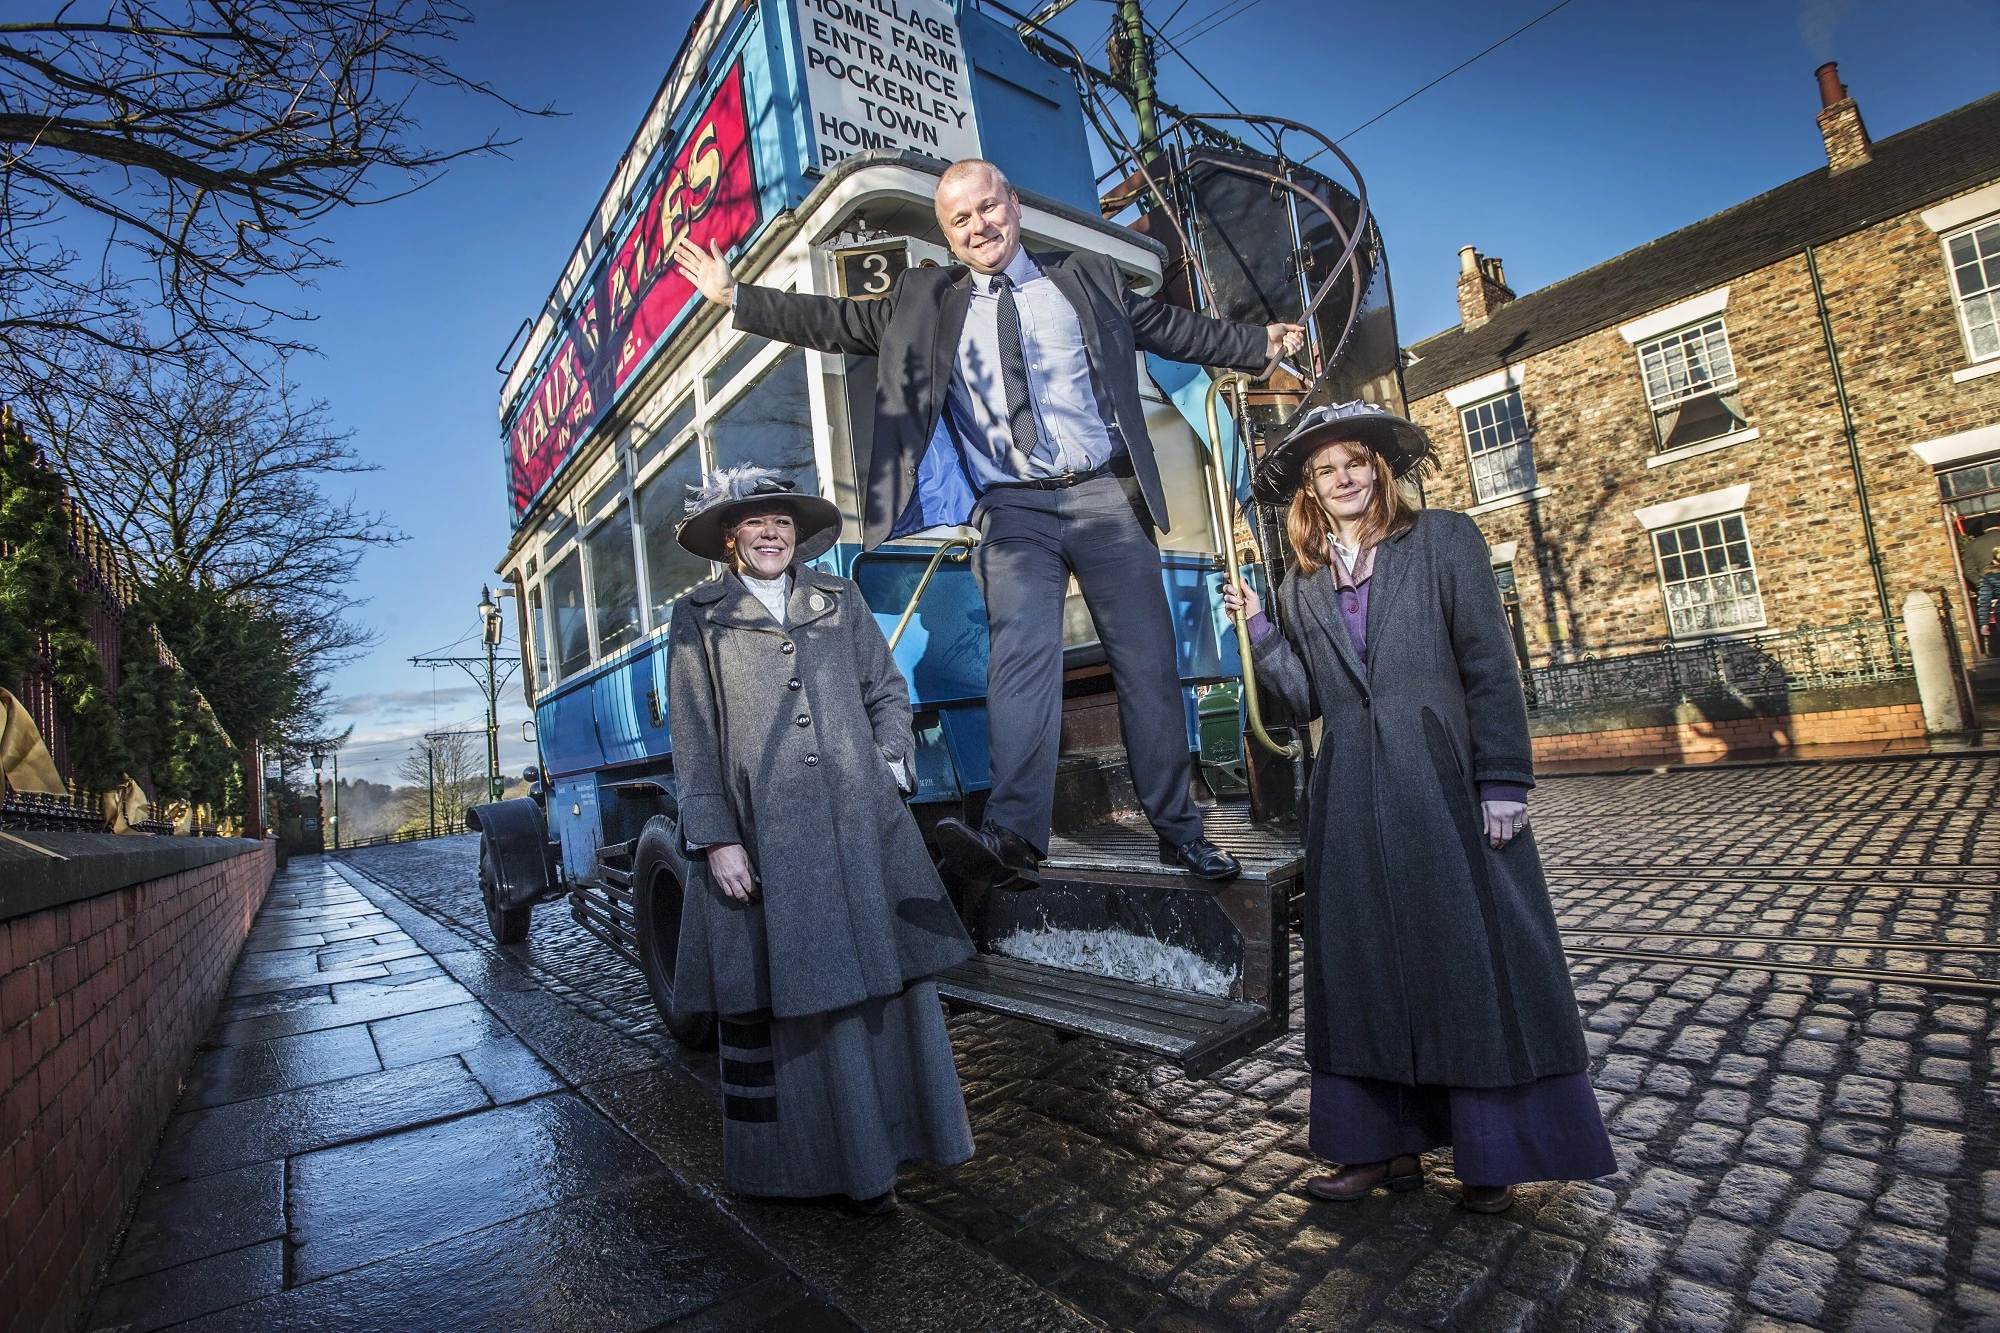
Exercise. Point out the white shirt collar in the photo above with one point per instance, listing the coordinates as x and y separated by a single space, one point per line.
1021 269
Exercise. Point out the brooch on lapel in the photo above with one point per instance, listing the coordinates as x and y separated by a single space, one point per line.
816 602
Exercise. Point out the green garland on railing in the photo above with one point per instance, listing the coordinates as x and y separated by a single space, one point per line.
43 589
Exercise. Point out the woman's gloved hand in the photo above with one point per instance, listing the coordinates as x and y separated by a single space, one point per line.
730 865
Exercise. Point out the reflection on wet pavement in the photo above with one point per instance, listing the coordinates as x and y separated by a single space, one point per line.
363 1144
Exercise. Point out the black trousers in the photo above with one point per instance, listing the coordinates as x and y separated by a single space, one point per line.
1033 541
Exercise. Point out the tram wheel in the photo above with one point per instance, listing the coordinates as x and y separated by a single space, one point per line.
508 924
659 873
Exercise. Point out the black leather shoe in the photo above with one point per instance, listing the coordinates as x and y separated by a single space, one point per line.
881 1205
991 855
1200 858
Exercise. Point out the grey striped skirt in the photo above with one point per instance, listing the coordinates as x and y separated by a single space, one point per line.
835 1103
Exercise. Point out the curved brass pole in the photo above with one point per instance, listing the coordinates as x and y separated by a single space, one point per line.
1225 515
963 545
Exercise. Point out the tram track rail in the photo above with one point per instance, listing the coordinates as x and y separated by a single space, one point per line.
1924 980
1860 877
1794 941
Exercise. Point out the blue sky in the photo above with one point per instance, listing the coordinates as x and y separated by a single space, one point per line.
1606 125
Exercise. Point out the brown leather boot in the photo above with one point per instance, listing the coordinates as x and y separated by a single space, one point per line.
1488 1198
1400 1174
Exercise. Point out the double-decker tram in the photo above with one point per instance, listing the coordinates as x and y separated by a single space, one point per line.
806 138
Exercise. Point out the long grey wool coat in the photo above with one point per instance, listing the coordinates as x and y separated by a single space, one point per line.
1430 957
781 743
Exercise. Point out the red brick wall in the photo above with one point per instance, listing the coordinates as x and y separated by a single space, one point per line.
1747 735
101 1002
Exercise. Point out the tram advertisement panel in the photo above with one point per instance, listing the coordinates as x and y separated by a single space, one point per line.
708 192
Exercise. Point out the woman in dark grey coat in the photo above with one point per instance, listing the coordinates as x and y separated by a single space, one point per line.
1438 1003
815 918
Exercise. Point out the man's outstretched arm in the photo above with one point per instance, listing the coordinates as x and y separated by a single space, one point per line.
824 323
1182 335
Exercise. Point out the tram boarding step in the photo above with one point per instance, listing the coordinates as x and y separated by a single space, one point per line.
1200 1032
1088 950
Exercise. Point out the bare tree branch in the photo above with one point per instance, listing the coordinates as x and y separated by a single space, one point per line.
206 140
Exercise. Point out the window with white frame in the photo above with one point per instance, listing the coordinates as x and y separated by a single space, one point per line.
1496 437
1708 577
1975 278
1691 385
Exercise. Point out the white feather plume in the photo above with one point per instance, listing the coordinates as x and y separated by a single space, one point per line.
730 484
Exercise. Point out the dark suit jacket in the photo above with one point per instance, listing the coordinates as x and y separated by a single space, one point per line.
915 330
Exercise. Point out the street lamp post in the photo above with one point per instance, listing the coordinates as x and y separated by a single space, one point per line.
318 759
491 625
492 629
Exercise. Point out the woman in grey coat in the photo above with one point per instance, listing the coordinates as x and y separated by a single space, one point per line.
1438 1003
814 919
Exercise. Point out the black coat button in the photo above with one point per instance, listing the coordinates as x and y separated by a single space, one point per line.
792 684
812 761
804 721
785 647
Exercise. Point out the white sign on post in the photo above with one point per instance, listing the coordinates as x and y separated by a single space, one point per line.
886 74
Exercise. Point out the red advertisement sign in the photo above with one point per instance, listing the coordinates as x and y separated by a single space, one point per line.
709 192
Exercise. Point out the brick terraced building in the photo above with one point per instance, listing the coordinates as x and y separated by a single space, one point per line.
1784 416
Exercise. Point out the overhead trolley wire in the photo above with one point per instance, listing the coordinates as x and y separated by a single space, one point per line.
1564 4
1215 18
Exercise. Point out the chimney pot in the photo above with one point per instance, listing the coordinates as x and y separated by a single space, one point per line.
1840 125
1481 288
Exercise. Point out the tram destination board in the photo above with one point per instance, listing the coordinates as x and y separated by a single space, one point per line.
886 74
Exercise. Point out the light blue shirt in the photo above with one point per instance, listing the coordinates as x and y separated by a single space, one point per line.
1059 381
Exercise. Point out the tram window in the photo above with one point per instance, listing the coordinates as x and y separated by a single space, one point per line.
738 356
678 423
607 495
770 424
536 633
614 582
561 529
572 630
670 569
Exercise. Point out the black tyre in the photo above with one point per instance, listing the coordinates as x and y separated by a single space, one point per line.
659 872
508 924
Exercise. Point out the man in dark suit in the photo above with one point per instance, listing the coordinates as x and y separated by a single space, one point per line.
1008 395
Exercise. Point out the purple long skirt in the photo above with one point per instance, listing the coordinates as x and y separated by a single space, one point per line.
1546 1130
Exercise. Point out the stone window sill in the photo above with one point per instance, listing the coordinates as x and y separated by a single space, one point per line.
1705 447
1980 371
1507 501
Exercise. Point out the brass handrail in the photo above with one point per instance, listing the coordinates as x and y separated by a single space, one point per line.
1225 515
963 545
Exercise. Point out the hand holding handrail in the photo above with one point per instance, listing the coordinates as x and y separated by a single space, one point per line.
1225 515
963 544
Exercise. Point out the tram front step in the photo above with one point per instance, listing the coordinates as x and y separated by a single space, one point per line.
1200 1032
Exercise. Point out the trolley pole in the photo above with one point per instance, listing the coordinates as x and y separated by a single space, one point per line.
1139 69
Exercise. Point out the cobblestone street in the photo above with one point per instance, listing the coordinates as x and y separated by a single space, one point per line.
1787 975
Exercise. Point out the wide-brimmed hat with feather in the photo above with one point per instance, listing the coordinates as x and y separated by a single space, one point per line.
714 507
1401 444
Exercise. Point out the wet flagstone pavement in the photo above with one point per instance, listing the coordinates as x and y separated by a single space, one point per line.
1798 1150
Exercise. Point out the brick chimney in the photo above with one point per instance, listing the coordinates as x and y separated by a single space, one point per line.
1840 122
1482 287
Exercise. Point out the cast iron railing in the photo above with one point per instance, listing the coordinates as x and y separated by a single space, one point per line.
1861 652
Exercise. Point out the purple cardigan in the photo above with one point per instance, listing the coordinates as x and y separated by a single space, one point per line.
1354 616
